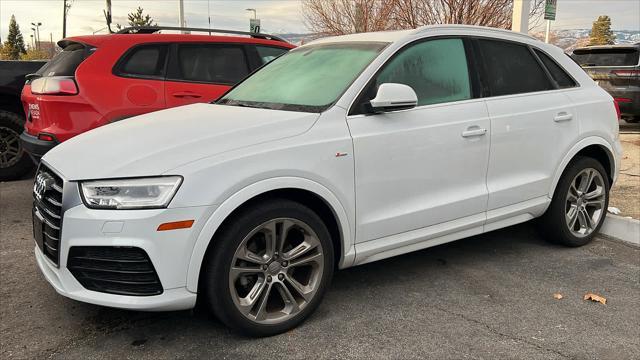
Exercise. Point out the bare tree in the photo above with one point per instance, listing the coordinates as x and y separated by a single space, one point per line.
335 17
338 17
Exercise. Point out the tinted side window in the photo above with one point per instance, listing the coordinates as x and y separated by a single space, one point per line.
511 68
436 70
145 61
559 75
212 63
268 53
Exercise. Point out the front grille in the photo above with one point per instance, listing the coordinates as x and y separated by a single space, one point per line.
114 270
49 206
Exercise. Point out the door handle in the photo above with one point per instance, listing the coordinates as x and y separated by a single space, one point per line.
473 131
186 94
562 116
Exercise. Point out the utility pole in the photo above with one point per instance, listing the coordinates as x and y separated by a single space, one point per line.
181 14
520 19
64 19
53 46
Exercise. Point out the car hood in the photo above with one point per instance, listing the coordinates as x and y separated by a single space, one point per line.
155 143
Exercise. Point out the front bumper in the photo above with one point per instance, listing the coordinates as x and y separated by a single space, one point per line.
169 252
34 146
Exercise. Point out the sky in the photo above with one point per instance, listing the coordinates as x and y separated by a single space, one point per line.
277 16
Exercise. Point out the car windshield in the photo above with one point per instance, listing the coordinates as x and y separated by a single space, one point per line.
308 79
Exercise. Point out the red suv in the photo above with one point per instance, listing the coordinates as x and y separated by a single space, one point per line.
99 79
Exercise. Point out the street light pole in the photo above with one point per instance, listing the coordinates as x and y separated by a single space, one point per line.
37 33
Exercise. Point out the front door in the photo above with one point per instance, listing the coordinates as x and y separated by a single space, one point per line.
427 165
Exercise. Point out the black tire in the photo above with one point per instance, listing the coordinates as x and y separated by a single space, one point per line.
16 166
553 224
215 282
633 119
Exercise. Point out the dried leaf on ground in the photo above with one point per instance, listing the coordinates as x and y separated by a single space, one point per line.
594 297
557 296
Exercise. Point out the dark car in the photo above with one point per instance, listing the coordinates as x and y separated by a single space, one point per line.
14 161
616 68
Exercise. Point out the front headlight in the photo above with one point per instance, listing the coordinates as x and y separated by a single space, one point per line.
138 193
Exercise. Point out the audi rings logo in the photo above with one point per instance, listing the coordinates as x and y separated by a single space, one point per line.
42 184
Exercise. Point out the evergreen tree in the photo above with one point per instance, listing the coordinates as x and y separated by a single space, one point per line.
14 45
137 19
601 33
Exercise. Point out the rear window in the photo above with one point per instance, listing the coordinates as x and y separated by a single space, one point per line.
512 69
559 75
67 61
147 61
606 57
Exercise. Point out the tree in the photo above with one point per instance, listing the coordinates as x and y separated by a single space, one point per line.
601 33
339 17
137 19
335 17
35 54
14 45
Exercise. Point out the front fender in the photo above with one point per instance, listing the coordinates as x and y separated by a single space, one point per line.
613 150
255 189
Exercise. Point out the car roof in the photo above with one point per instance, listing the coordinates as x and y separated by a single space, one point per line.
97 40
399 35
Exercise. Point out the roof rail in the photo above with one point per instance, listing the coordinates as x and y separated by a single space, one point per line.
425 28
154 29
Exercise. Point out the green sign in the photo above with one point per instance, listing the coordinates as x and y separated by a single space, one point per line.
254 25
550 9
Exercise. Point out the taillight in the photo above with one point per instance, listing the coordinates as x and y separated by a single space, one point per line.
54 86
626 73
45 137
615 103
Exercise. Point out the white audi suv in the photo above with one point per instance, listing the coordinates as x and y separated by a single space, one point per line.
343 151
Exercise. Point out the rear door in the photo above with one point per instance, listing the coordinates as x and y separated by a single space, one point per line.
139 78
203 72
533 123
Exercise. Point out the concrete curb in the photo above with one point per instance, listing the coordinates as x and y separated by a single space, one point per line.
622 228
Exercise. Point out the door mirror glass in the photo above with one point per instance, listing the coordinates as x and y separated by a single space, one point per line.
391 96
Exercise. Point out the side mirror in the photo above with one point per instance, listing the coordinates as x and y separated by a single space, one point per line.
392 96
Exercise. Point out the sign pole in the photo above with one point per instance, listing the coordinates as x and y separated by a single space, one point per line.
546 34
549 14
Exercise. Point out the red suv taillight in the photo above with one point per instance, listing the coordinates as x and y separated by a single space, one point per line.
626 73
54 86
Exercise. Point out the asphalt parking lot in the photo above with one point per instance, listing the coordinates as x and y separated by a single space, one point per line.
489 296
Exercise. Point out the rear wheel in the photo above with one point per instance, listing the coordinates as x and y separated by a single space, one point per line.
269 268
579 204
14 161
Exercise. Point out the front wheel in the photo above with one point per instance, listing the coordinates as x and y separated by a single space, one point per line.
269 268
579 204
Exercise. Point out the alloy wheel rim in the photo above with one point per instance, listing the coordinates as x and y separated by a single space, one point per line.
10 147
276 271
585 202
